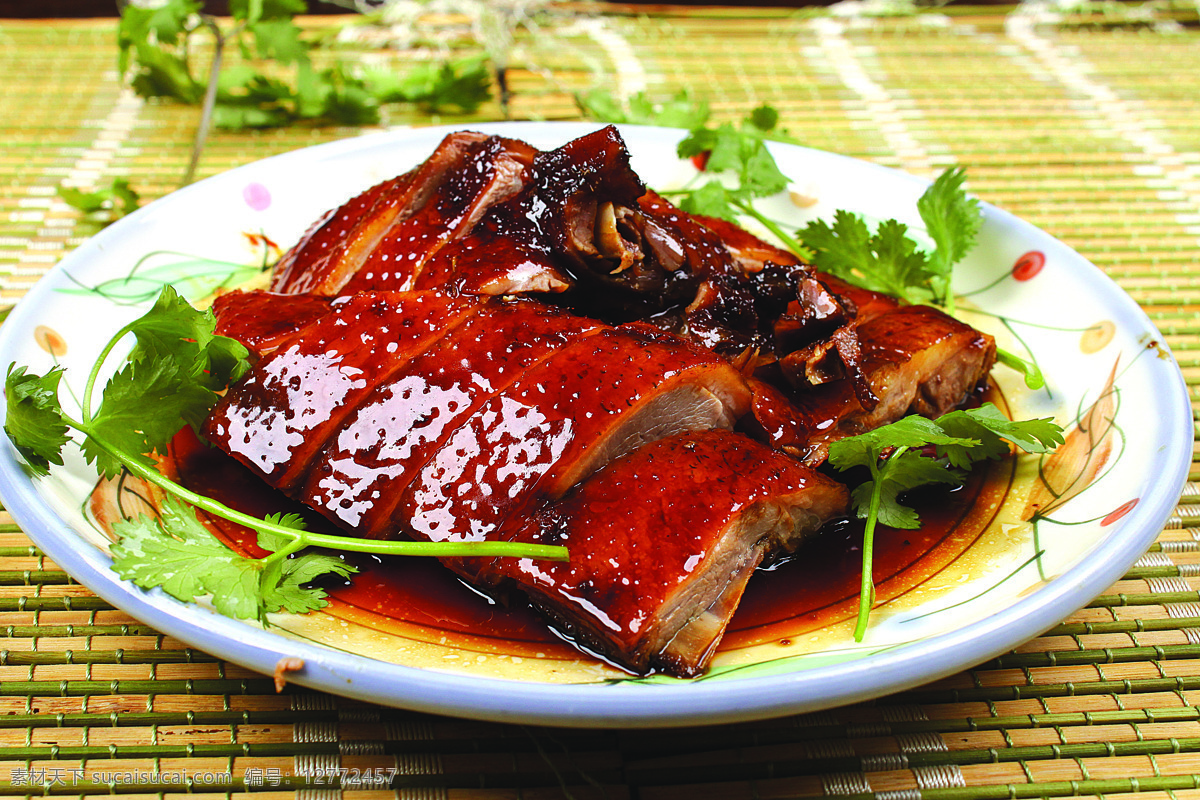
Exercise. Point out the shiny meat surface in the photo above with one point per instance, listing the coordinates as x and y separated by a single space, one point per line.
339 244
420 414
916 359
493 171
562 419
283 411
663 541
359 476
264 320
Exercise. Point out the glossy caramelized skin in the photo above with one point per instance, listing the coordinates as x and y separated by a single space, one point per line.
305 268
262 321
917 360
439 417
359 476
334 250
283 411
495 169
526 244
662 543
562 419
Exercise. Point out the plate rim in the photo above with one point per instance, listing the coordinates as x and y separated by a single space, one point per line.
597 704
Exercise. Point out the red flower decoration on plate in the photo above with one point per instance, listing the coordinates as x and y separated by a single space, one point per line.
1119 512
1029 265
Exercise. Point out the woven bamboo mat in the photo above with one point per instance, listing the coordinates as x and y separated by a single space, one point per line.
1083 121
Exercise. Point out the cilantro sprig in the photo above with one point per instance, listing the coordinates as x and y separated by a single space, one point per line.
895 458
278 82
737 153
889 260
172 377
106 204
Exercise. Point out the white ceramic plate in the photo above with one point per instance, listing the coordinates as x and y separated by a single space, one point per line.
1043 539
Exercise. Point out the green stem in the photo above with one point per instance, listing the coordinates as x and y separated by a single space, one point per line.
86 403
948 299
210 99
303 539
1033 376
294 546
776 229
866 591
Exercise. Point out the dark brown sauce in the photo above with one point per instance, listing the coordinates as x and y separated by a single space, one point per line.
792 597
784 600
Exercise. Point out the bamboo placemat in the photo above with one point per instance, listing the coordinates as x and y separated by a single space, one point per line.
1082 120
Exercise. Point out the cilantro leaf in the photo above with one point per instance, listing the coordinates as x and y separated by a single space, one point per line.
989 425
176 552
179 554
886 261
163 74
334 94
141 410
279 38
173 330
285 582
760 175
953 220
960 439
679 111
243 114
909 432
466 83
727 149
162 24
906 471
765 118
741 153
34 420
254 10
889 260
710 200
175 369
116 200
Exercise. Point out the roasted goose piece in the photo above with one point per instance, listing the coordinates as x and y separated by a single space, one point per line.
336 244
916 360
493 171
596 399
481 415
262 321
340 243
543 238
278 417
662 542
359 475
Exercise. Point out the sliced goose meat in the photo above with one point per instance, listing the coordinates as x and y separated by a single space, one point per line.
531 242
334 249
262 321
358 478
493 171
916 359
662 542
564 418
277 417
